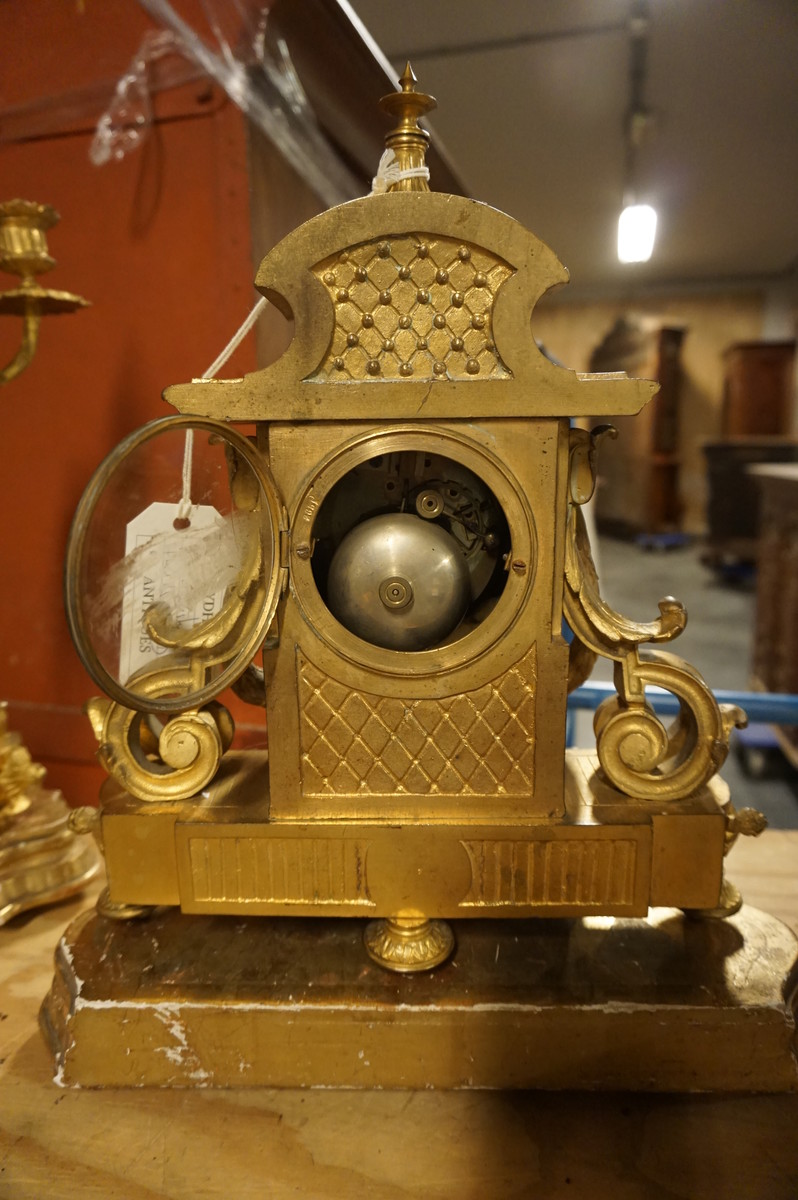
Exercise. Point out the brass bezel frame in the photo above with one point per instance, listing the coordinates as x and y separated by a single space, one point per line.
396 664
75 546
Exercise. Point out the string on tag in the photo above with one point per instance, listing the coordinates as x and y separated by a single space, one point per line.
184 507
389 172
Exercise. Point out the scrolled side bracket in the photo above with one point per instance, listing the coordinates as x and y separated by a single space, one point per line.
637 753
170 763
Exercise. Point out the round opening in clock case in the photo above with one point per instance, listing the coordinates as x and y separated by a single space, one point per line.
379 538
171 578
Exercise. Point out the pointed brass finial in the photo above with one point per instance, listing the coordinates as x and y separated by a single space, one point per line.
408 140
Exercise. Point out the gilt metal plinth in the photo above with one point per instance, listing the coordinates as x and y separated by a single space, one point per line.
663 1004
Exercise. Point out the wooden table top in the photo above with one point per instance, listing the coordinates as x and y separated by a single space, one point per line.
143 1145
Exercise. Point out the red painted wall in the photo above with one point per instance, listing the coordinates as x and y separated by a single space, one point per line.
160 244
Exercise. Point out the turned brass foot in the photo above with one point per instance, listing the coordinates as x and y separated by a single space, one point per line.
120 912
408 943
730 902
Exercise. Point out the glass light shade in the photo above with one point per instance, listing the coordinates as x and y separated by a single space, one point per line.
637 228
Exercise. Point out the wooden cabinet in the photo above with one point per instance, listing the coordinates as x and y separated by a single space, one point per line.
733 502
758 389
639 472
775 665
756 419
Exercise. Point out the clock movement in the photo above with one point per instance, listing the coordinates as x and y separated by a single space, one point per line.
392 561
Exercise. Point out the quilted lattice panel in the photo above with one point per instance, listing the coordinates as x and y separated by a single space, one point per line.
417 306
480 743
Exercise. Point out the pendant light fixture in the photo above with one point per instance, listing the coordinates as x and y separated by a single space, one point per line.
637 224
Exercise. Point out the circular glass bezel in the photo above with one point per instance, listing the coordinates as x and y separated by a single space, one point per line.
76 544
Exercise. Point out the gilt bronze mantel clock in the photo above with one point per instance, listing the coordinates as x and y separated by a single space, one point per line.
391 566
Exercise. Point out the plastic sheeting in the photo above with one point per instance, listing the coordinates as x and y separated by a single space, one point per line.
255 70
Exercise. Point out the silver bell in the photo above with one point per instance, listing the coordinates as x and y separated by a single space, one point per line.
400 582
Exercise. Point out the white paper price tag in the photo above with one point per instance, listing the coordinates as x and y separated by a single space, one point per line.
188 570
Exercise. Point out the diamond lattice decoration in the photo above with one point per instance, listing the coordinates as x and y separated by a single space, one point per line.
412 307
479 743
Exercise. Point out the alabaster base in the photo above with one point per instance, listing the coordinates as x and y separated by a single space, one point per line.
664 1004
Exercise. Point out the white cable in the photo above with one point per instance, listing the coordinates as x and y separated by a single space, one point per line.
184 507
389 172
236 339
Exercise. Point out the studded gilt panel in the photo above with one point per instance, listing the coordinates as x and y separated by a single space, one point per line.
480 743
414 306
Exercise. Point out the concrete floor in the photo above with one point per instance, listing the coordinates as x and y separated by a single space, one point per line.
717 641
